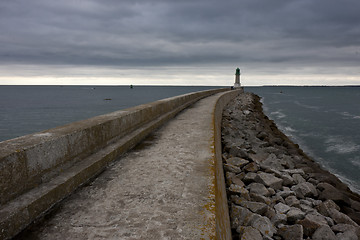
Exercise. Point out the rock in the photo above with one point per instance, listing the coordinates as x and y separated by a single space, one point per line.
327 191
249 177
272 161
294 214
294 171
324 233
306 209
258 188
255 207
264 225
269 180
236 161
285 193
281 208
324 207
235 189
305 189
287 180
279 218
340 217
239 216
271 191
342 227
292 201
277 199
294 232
355 205
249 233
251 167
232 178
259 198
237 152
348 235
298 178
262 135
231 168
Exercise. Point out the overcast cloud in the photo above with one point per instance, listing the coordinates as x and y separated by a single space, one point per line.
107 38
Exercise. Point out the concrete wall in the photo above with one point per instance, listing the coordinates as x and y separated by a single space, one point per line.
38 170
223 229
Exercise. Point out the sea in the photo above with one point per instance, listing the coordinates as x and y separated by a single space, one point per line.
324 121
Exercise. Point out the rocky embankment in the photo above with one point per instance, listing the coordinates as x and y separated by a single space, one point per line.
275 191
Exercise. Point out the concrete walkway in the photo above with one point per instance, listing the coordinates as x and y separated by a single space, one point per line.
160 190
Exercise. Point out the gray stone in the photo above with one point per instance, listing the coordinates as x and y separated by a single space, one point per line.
279 218
239 216
294 232
269 180
305 189
251 167
231 168
247 233
259 198
272 161
306 209
249 177
342 227
271 191
311 222
294 171
330 192
287 180
324 233
298 178
340 217
281 208
259 188
264 225
285 193
238 152
255 207
236 161
294 214
292 201
348 235
235 189
324 207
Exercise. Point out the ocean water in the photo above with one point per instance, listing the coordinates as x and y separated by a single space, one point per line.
29 109
324 121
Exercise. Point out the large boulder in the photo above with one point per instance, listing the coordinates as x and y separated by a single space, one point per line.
311 222
258 188
324 233
269 180
328 191
249 233
303 190
293 232
236 161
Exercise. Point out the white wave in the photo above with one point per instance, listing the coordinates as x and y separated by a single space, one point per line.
278 114
305 105
340 146
356 117
355 161
289 129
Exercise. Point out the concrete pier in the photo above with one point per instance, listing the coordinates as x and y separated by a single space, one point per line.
171 187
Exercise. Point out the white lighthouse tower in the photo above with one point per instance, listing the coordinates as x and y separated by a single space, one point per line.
237 78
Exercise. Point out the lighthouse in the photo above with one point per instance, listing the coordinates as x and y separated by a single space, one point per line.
237 78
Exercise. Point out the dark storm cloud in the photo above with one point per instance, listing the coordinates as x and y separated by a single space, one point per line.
180 33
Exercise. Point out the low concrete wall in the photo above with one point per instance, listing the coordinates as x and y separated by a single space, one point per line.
38 170
223 229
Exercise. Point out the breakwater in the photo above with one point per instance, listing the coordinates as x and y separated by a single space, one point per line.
39 170
276 191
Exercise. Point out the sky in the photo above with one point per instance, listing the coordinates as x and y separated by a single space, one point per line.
187 42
